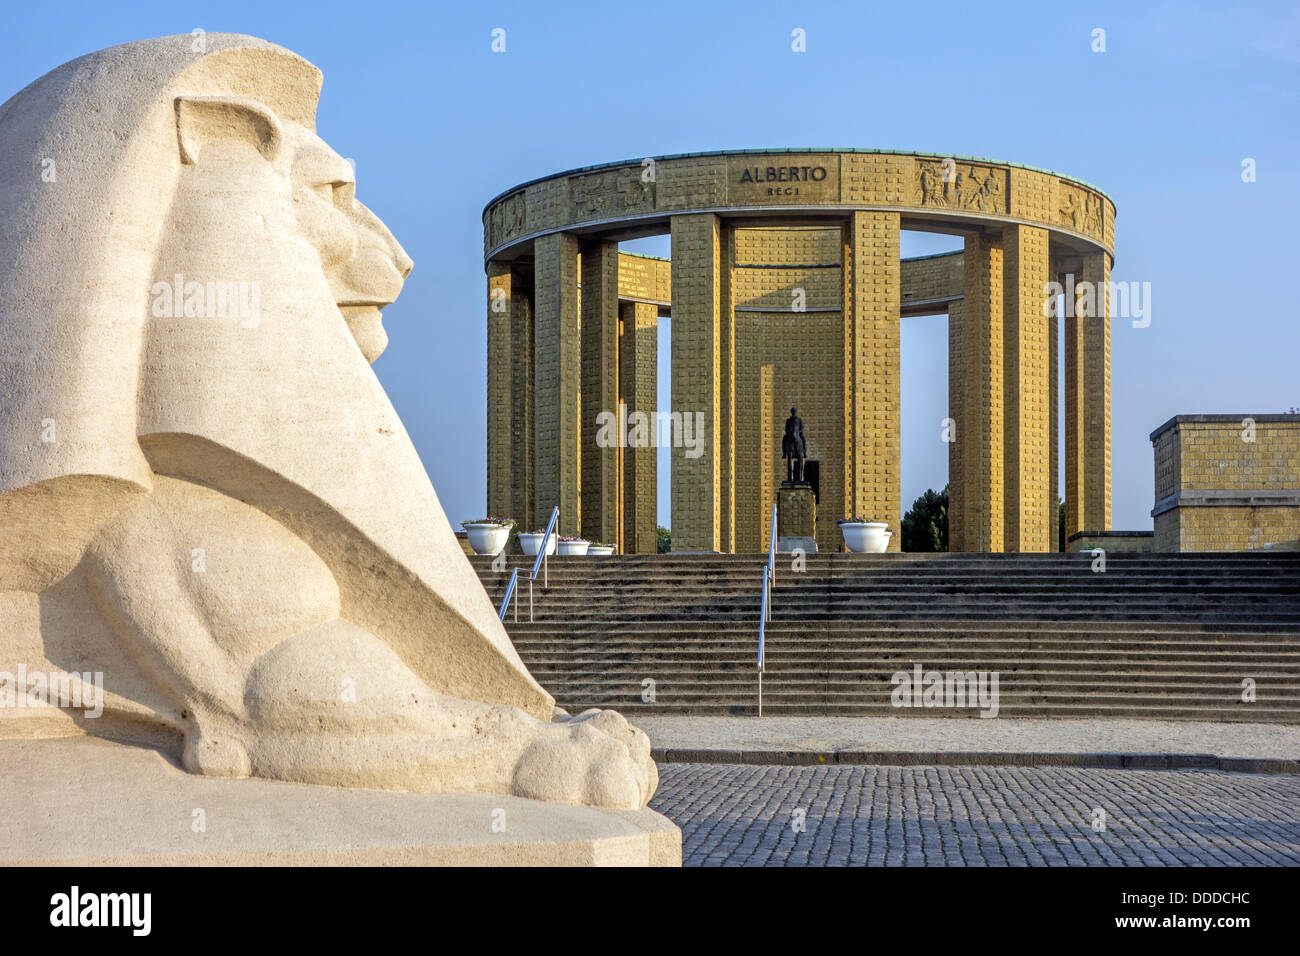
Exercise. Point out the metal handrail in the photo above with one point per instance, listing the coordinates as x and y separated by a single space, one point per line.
762 636
510 592
771 549
765 608
546 542
541 563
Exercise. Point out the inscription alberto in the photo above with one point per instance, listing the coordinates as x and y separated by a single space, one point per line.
790 176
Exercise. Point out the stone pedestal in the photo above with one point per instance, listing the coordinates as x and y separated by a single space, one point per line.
796 517
80 801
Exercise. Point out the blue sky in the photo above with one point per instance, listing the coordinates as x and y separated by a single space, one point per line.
438 124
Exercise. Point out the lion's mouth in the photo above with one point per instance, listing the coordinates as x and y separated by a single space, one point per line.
364 303
366 325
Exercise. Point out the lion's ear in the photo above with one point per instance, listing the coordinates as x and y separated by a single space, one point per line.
205 119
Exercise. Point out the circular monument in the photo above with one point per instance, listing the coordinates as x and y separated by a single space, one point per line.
786 289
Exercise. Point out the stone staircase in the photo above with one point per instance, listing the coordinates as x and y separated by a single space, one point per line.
1153 636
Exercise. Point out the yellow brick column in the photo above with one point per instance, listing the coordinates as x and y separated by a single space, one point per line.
769 445
556 372
956 395
872 449
1054 427
727 503
1025 354
599 337
1072 329
982 445
500 288
638 384
1096 396
698 259
521 410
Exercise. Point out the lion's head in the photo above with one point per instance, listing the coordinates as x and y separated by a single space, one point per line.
360 259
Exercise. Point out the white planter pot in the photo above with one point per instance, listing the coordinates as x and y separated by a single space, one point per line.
600 549
866 537
574 547
488 538
531 542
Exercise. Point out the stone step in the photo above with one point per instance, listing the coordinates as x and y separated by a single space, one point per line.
1283 581
801 642
1009 696
667 695
842 558
747 696
903 616
870 630
1007 704
964 628
1081 566
781 708
1260 666
1287 597
863 600
870 679
750 576
1078 569
878 643
696 646
1141 589
1283 586
1272 656
1288 670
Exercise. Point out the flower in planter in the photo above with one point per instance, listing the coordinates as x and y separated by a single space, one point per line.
851 521
569 537
489 535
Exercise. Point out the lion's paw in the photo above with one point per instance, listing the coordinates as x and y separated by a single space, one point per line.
215 755
597 759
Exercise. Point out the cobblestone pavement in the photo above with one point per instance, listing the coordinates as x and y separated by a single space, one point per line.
735 815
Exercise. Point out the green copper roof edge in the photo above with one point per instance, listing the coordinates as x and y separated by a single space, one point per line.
932 255
791 149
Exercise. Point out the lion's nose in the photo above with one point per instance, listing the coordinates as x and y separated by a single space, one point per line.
368 220
402 261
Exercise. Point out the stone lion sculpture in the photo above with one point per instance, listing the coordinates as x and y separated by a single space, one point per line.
205 494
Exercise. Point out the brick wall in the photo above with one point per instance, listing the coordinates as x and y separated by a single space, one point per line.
644 278
931 277
1226 482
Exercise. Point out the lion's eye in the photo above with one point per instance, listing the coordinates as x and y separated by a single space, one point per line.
338 194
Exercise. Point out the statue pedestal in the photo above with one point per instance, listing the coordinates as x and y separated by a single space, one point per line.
80 801
796 517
